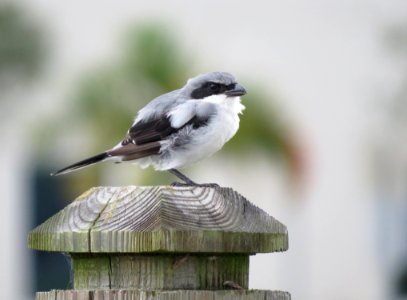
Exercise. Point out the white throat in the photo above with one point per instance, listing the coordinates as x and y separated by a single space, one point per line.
230 103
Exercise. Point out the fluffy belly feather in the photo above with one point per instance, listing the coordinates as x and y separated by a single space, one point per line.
202 143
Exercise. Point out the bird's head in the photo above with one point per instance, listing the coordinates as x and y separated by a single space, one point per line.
211 84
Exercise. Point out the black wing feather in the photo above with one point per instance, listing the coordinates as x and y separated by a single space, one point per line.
143 139
158 129
151 131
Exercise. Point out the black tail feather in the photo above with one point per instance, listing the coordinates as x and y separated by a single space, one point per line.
83 163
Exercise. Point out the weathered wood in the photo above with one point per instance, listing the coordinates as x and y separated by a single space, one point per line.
160 243
160 219
159 272
163 295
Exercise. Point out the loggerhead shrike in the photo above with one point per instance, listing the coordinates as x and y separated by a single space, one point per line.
179 128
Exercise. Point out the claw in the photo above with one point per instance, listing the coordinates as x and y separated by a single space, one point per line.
177 184
189 182
183 184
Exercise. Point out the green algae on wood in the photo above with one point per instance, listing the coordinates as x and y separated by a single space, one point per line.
164 295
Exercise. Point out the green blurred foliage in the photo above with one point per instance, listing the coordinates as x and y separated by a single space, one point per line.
261 127
151 64
152 53
22 44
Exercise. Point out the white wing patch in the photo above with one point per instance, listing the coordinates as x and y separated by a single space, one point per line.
182 114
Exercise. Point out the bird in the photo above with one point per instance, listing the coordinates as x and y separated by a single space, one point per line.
179 128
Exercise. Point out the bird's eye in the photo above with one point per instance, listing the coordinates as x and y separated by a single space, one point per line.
214 87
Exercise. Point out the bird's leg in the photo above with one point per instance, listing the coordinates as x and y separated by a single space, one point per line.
188 181
182 177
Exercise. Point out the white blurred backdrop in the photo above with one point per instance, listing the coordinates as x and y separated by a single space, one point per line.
339 82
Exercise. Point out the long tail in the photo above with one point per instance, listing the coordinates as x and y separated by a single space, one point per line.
81 164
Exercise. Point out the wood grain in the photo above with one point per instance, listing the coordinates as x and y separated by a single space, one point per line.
163 295
160 219
159 272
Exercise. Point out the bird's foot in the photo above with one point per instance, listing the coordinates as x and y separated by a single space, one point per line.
183 184
209 185
189 182
178 184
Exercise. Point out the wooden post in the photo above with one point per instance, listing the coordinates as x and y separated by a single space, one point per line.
160 242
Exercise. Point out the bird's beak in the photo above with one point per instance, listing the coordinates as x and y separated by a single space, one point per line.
237 91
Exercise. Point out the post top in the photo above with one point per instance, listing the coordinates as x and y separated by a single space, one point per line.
135 219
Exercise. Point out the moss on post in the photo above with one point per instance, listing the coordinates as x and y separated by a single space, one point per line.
134 240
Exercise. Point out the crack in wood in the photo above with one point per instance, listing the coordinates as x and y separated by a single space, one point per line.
114 197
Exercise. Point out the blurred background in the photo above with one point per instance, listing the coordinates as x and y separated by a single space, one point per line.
322 145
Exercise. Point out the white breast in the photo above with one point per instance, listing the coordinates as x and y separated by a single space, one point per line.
205 140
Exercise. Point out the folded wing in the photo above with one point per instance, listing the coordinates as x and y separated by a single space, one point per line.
144 137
